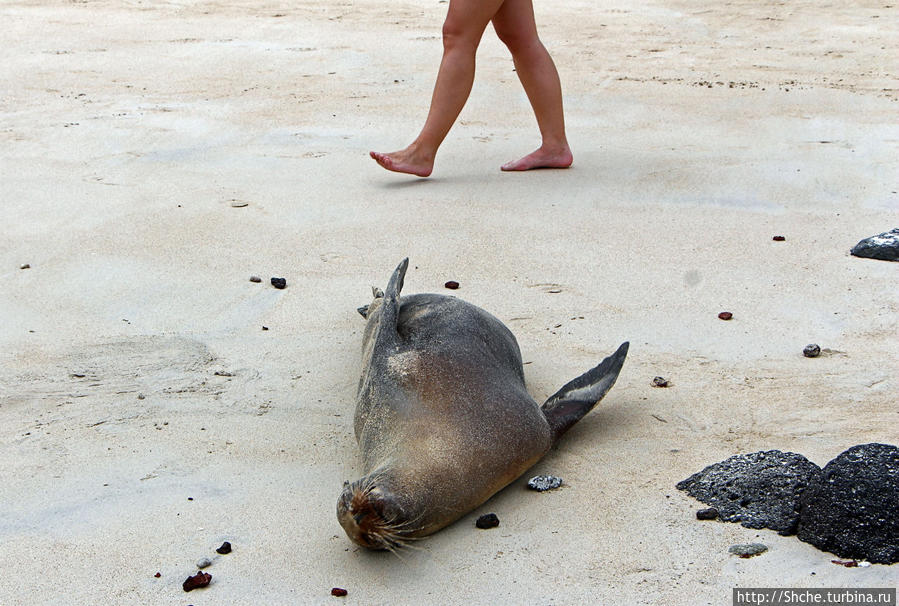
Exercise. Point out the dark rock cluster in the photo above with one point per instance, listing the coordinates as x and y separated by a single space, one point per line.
758 490
850 508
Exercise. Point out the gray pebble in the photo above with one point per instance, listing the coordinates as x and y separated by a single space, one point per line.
813 350
255 279
748 550
204 562
543 483
660 382
26 266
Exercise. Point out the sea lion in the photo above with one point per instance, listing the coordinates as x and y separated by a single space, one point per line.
443 418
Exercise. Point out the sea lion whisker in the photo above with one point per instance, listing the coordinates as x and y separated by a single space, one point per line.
396 543
404 526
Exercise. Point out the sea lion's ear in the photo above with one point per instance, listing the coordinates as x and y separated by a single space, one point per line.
576 398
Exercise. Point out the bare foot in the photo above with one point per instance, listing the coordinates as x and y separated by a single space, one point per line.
404 161
542 158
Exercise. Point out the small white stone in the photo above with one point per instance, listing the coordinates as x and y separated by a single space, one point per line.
204 562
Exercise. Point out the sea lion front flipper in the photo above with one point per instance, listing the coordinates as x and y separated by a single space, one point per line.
568 405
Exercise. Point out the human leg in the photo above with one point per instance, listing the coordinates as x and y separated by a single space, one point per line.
465 23
514 24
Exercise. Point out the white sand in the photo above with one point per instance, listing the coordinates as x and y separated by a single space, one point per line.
129 127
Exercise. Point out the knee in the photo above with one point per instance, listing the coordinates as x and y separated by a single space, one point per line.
456 36
517 41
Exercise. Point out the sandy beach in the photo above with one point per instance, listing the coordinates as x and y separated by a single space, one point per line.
154 402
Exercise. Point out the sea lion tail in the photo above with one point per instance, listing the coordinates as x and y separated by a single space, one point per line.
578 397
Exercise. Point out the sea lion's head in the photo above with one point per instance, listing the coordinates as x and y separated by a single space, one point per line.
371 516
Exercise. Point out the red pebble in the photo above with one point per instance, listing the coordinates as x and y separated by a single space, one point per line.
725 315
201 579
157 575
778 238
338 592
452 285
847 564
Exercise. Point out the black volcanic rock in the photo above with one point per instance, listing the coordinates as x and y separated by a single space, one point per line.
852 508
758 490
883 246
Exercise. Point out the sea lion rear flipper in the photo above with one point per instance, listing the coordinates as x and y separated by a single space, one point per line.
568 405
392 294
389 310
377 293
380 341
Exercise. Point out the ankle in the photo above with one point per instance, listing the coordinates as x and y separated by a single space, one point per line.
555 147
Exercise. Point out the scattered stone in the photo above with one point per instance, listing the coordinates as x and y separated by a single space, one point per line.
279 283
452 285
337 591
778 238
850 509
141 396
725 315
748 550
659 382
883 246
758 490
157 575
265 328
26 266
256 279
707 514
238 203
812 350
204 563
846 563
544 483
488 520
225 548
201 579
